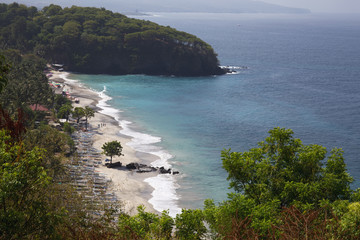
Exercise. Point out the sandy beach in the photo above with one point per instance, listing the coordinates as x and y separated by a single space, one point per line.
128 186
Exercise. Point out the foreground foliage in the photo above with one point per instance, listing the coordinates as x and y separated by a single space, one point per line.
145 225
285 170
285 190
22 186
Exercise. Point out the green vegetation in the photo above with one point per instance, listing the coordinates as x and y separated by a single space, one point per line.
283 188
145 225
190 224
282 169
92 40
112 148
3 71
65 111
37 197
24 209
78 113
88 113
27 85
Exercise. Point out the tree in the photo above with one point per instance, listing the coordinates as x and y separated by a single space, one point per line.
112 148
189 224
51 10
56 143
71 29
145 225
24 210
4 69
65 111
27 83
78 113
283 177
350 221
59 101
68 128
284 169
88 113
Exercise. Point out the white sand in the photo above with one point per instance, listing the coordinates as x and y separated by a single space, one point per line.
128 186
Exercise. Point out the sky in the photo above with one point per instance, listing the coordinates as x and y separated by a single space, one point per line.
315 6
331 6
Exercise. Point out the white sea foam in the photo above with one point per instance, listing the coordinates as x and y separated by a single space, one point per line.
143 142
65 76
233 73
235 69
106 108
164 196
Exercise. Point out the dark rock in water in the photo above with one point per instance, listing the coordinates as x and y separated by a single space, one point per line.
162 170
143 168
113 165
146 169
132 166
175 172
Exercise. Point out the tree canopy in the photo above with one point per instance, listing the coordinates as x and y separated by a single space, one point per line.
93 40
26 83
23 182
88 113
4 69
112 148
65 111
284 169
78 113
283 187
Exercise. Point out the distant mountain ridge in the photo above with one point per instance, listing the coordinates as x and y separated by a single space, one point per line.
214 6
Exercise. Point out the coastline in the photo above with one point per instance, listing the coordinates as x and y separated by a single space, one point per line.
130 188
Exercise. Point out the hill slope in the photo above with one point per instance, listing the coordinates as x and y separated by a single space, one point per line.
93 40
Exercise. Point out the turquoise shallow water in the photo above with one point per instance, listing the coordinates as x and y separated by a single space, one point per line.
303 73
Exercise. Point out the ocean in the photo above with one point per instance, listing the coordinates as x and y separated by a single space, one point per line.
293 71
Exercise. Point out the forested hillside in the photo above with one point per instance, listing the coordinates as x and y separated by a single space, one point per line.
93 40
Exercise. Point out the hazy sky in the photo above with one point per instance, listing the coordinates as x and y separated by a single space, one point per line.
334 6
328 6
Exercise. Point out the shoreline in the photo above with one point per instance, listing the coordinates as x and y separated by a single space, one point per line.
129 187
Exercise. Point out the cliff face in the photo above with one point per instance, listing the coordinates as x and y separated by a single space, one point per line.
92 40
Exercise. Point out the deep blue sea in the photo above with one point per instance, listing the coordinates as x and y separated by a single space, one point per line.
303 73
